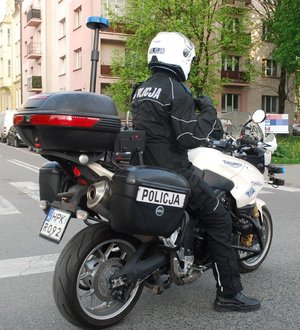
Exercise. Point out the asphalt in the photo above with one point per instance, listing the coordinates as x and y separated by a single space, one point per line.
291 175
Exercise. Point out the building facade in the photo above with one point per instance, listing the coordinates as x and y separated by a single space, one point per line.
46 47
10 57
261 92
56 46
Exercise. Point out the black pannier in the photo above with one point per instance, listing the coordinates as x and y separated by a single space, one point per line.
148 201
69 121
50 180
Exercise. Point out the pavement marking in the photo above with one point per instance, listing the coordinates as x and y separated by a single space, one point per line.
29 188
7 208
25 165
27 265
282 188
266 192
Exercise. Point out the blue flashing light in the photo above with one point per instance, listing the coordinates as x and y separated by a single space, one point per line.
97 22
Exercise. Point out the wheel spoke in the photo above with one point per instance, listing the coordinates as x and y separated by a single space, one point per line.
109 250
101 306
83 276
87 294
123 255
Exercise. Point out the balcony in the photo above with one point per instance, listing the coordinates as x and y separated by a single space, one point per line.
34 17
34 50
237 78
236 2
106 70
34 84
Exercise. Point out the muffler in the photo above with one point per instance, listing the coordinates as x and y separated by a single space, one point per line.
98 196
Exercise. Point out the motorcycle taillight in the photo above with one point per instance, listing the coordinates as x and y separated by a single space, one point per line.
63 120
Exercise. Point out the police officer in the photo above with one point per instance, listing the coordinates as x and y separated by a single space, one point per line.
164 108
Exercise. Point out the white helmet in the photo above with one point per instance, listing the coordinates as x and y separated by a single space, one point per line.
172 51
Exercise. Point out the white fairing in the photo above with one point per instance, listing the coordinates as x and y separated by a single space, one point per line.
270 145
248 181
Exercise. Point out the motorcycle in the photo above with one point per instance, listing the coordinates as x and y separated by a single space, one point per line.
139 232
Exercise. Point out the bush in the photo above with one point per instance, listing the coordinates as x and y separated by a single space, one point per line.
288 150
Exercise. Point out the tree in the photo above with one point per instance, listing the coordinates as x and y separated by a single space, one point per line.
281 19
215 28
286 27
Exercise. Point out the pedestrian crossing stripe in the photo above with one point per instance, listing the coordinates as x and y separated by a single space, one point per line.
7 208
27 265
29 188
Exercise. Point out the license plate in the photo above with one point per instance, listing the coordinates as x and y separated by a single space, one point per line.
55 224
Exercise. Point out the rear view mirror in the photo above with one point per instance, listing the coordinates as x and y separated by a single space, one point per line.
258 116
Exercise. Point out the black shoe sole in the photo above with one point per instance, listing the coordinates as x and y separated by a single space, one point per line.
235 308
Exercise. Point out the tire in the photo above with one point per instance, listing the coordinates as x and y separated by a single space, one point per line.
81 277
253 263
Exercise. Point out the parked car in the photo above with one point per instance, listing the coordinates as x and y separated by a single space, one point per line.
296 129
6 121
13 138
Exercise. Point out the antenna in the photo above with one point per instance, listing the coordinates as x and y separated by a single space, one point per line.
97 23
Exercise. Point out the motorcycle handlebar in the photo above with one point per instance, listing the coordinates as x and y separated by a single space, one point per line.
246 140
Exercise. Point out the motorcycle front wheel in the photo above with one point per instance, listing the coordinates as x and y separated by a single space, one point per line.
251 241
81 285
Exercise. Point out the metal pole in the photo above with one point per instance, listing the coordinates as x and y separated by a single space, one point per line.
94 60
98 24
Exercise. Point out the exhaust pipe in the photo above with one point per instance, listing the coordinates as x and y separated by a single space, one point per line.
98 196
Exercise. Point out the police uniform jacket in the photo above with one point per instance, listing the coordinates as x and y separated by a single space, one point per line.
164 108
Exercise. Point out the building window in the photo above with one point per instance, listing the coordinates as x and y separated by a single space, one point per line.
231 63
62 27
78 58
62 65
266 34
18 67
269 103
8 68
232 24
269 68
104 89
230 102
8 37
115 6
78 17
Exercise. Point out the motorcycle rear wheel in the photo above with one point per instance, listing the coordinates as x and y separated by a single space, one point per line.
81 278
249 265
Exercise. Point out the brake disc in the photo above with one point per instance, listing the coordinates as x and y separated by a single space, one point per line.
105 271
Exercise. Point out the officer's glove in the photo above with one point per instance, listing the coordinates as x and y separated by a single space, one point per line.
203 102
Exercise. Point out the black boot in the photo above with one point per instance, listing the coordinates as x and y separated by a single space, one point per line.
239 303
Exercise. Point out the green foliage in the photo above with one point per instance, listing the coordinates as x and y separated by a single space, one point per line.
205 22
285 27
288 150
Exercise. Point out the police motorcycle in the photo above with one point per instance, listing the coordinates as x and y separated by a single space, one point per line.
139 232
